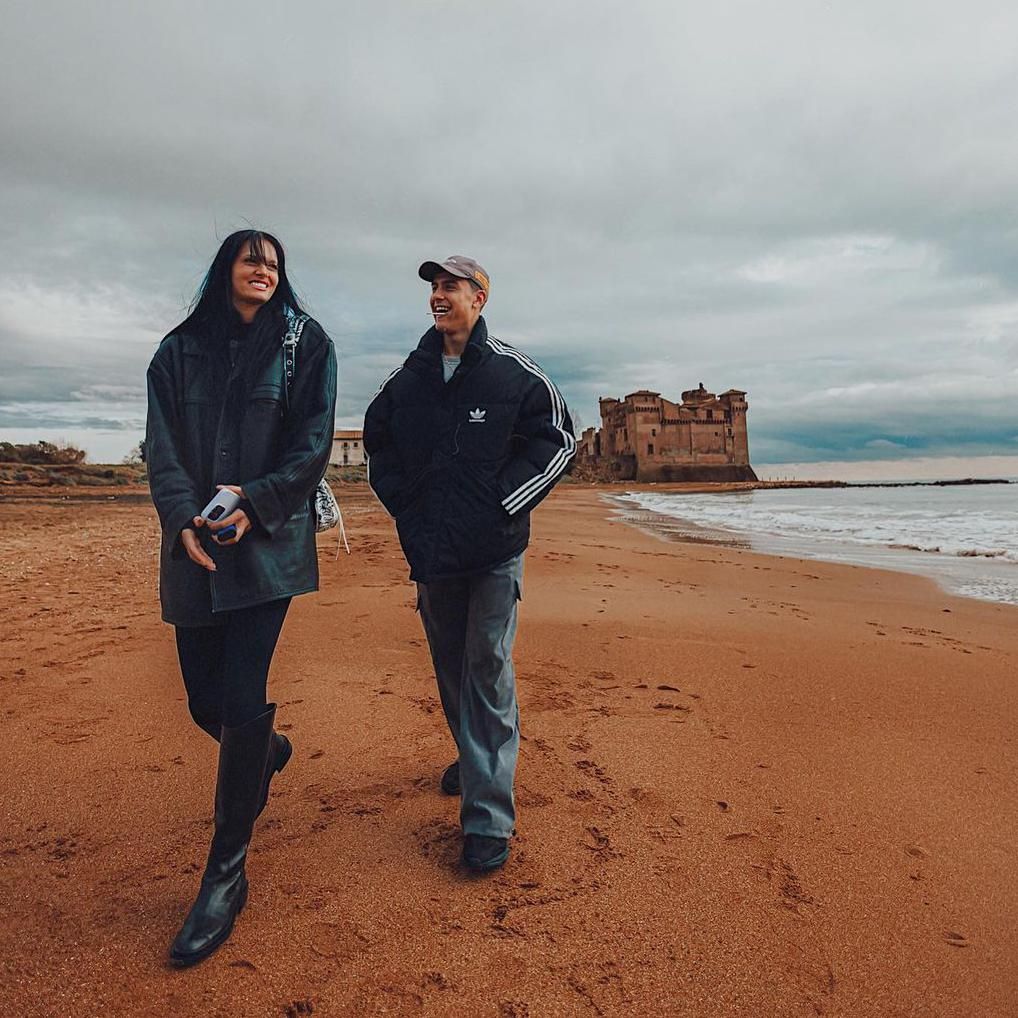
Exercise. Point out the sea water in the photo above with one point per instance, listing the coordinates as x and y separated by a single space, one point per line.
964 536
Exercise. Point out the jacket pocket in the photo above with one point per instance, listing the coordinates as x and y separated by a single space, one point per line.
267 392
477 490
265 406
410 501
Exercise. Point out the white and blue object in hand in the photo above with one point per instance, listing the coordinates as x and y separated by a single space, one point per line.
221 505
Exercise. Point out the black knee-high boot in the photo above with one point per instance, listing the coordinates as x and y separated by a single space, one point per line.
243 761
279 753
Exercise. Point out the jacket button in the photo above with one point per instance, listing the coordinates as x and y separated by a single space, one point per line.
223 453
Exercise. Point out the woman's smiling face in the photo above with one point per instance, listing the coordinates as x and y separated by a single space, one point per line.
255 278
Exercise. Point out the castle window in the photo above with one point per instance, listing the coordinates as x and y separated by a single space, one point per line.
710 415
653 431
650 448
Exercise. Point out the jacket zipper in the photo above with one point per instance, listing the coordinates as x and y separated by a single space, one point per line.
448 392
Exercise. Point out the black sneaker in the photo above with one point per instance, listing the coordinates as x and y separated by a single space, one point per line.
451 779
482 853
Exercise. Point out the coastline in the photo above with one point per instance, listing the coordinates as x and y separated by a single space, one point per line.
748 785
968 572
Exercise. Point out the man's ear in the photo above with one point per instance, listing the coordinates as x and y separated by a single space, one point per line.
484 298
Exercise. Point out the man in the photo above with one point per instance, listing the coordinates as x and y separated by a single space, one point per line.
463 441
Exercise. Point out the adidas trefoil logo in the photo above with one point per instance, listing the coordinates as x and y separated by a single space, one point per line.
477 416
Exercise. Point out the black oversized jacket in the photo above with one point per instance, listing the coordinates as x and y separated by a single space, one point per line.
208 424
460 464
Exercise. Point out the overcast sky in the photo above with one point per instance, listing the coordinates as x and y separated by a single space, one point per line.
812 200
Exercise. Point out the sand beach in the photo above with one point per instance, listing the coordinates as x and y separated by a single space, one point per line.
748 786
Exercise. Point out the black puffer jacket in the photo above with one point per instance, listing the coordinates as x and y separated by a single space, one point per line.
460 464
212 423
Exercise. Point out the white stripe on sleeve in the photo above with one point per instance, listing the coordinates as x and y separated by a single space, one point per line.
515 500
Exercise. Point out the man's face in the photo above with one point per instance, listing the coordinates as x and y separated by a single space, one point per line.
456 303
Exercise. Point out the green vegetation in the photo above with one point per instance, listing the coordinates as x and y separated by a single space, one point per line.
345 475
43 464
70 475
41 452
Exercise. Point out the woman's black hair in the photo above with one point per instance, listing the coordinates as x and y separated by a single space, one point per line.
212 314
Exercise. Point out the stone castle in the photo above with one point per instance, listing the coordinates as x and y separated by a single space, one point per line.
645 437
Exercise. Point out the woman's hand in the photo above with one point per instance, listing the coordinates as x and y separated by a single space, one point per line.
238 518
195 552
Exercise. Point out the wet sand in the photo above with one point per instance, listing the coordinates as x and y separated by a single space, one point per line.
748 786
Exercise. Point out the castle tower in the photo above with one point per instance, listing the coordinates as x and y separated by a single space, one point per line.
735 402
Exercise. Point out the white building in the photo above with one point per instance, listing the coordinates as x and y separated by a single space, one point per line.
348 448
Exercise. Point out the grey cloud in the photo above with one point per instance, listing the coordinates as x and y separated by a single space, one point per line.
788 198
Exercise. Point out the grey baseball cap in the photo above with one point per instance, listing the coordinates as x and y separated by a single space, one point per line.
457 265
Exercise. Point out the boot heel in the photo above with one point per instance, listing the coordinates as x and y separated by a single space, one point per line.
283 754
281 751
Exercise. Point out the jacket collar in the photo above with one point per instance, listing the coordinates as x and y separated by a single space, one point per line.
477 345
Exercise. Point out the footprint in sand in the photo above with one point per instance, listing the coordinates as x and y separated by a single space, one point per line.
589 767
529 798
513 1009
439 839
600 844
438 981
790 890
338 940
428 704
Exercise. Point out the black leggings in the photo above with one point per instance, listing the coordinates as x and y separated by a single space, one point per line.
226 667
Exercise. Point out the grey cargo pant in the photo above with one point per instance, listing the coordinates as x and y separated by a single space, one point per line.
470 622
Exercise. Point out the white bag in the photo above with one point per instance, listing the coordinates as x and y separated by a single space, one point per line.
325 507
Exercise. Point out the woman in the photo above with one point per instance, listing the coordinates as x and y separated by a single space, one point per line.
222 413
